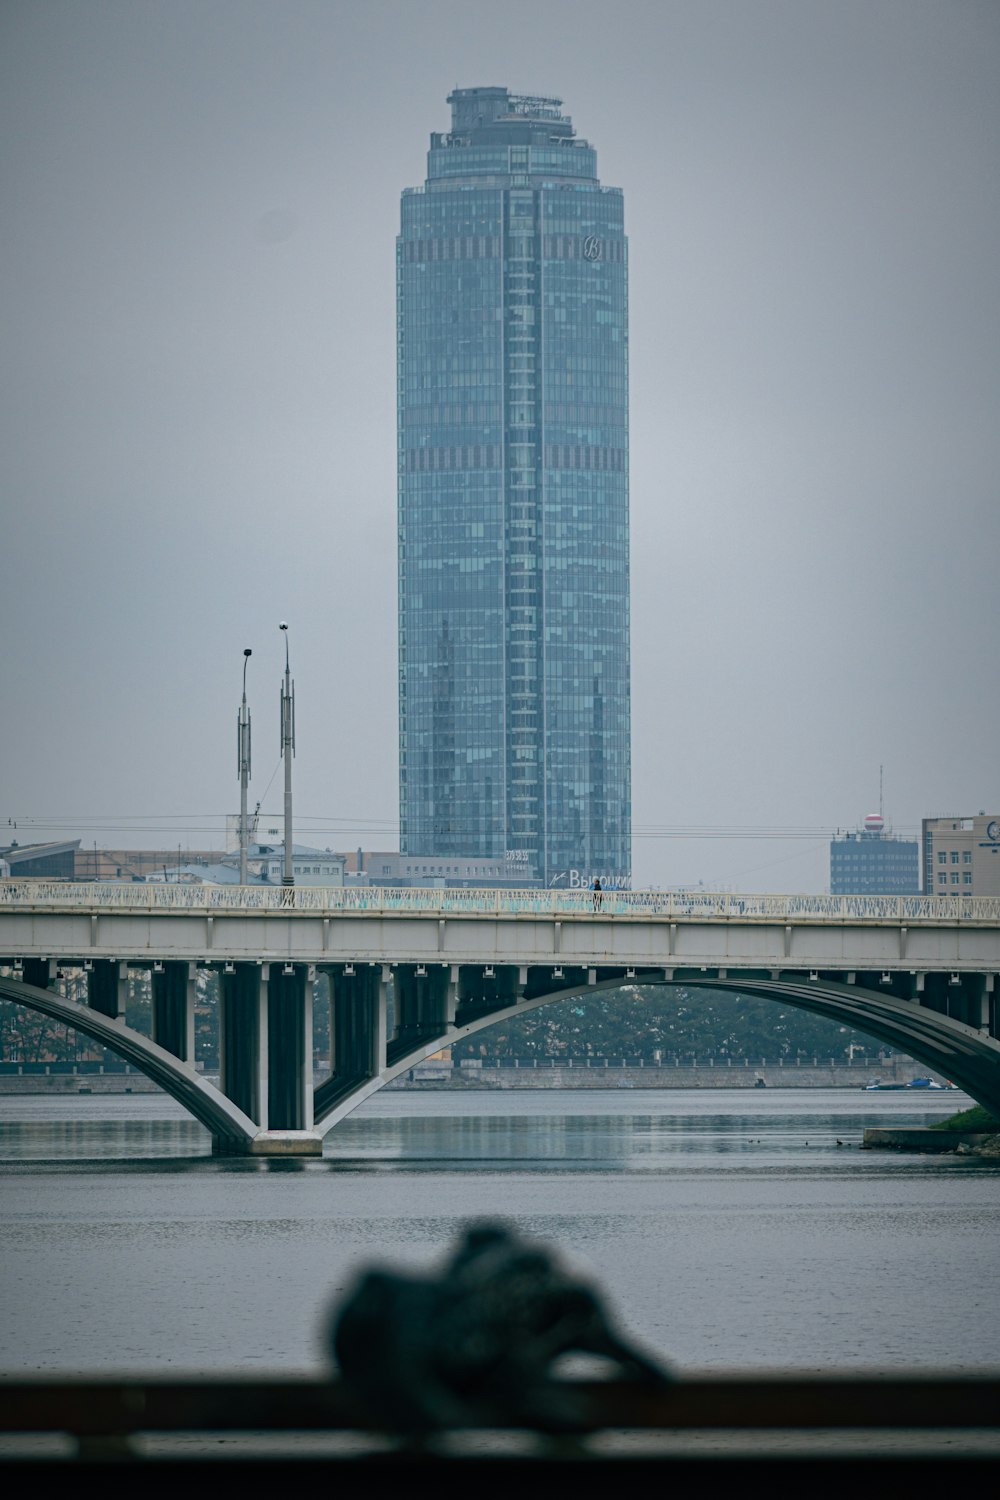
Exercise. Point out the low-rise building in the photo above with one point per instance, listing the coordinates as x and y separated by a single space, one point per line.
962 855
309 866
265 866
51 861
873 861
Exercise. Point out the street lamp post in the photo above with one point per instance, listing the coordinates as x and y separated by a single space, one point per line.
287 751
243 767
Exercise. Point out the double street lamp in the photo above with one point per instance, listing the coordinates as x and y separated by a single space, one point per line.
287 752
243 768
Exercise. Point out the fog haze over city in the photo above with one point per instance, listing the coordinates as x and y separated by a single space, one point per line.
198 406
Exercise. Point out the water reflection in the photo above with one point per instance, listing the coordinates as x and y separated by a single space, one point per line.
723 1237
102 1139
684 1131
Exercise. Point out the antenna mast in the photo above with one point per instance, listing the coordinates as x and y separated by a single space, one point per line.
243 767
287 751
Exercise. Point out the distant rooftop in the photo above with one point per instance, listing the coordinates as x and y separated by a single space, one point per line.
15 853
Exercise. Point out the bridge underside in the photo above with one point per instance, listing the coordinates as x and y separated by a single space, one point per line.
172 1072
266 1101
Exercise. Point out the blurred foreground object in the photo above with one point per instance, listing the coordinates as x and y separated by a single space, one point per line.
476 1344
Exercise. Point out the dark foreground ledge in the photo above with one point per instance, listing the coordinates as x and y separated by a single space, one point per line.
786 1402
771 1428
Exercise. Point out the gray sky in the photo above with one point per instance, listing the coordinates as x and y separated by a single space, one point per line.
201 199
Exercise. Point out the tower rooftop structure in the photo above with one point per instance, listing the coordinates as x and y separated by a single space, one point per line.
495 113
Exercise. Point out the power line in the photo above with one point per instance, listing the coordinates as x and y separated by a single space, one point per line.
317 824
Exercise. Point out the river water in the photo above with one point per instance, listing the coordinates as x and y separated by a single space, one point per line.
727 1230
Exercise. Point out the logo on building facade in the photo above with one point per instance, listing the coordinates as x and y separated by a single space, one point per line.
592 248
582 880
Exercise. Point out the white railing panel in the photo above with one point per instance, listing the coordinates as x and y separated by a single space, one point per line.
381 900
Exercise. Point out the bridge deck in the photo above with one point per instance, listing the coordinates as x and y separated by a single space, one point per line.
633 930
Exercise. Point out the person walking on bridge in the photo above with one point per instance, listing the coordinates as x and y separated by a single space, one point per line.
598 891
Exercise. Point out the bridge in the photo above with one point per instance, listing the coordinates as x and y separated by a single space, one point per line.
918 973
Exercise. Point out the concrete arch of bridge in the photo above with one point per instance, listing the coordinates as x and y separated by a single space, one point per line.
960 1053
210 1107
326 1119
949 1047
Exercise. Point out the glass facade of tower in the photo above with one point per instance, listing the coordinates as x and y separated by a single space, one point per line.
513 499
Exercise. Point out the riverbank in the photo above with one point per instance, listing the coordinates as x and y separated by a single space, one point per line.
522 1073
969 1132
925 1138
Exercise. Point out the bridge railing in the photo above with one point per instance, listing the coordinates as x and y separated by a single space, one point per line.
383 900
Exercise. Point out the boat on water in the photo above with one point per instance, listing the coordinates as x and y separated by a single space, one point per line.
875 1086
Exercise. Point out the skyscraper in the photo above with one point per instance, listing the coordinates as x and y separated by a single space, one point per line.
513 499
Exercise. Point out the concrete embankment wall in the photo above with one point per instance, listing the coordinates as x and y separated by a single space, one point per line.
431 1076
443 1075
132 1082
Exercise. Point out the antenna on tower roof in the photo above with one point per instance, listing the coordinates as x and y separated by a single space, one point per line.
881 791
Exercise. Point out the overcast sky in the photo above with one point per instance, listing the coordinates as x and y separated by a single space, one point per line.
198 363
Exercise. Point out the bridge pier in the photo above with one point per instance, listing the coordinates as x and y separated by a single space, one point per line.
484 989
961 997
265 1048
287 1143
284 1143
40 972
243 1038
107 987
973 1001
426 997
358 1029
265 1056
289 1048
173 1008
